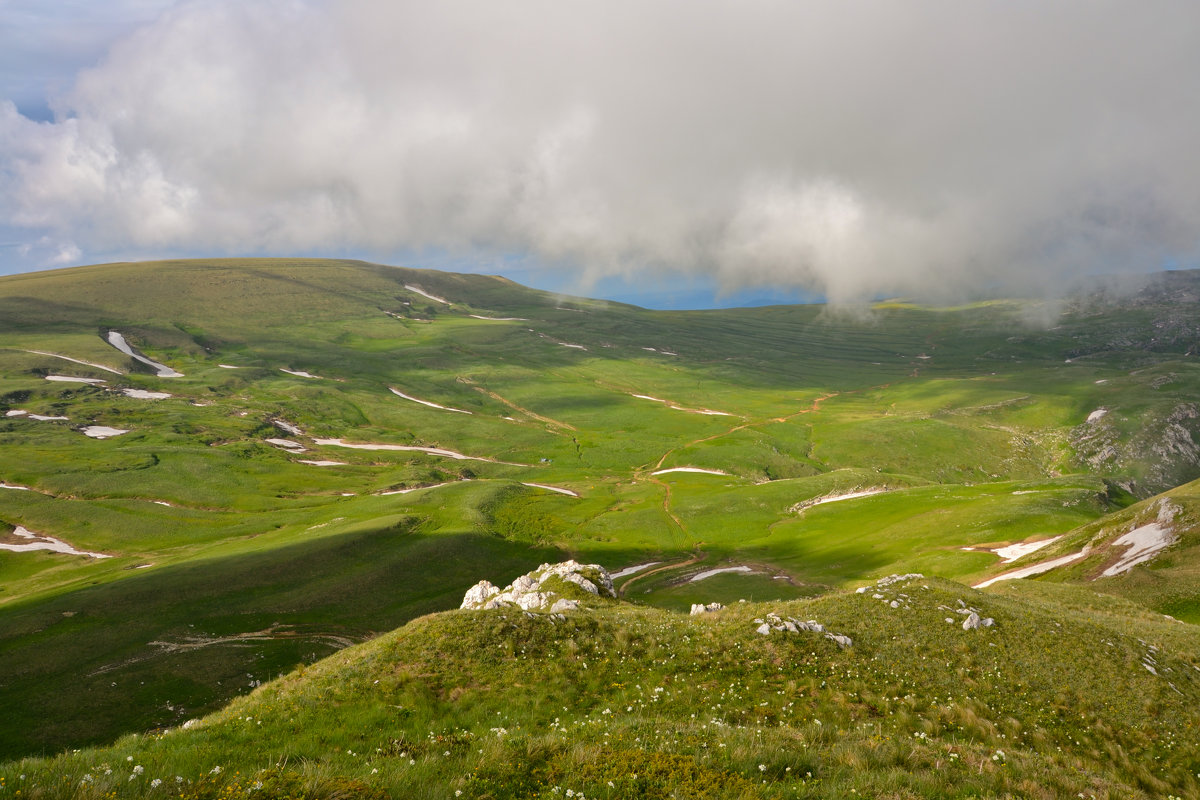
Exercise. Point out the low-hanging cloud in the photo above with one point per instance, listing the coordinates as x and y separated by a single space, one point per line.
852 148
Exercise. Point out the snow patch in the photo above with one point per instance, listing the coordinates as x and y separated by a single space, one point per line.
143 394
102 431
711 572
567 492
676 407
20 412
498 319
287 444
1145 542
433 451
835 498
77 361
118 341
227 366
399 393
324 463
39 542
424 293
72 379
299 373
1014 551
635 569
14 486
1036 569
690 469
287 427
419 488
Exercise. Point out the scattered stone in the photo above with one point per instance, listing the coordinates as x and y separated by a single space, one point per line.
971 622
792 625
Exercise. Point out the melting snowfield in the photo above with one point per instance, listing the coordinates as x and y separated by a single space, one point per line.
323 463
834 498
287 444
433 451
72 379
299 373
38 542
1012 552
287 427
1142 544
498 319
77 361
142 394
1036 569
689 469
424 293
636 568
399 393
102 431
118 341
711 572
14 486
560 490
677 407
419 488
19 412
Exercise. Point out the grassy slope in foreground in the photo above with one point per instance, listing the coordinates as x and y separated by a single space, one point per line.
620 701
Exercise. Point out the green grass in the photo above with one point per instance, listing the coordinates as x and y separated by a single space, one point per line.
983 443
618 701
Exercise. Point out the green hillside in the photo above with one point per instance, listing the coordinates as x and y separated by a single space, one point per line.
495 427
616 700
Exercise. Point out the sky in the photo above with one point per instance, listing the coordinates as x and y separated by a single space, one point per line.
677 150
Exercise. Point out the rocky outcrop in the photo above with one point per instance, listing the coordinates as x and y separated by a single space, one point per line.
543 589
702 608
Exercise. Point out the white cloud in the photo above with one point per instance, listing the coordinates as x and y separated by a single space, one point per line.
854 148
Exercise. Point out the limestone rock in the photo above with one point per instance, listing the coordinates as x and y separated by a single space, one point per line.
530 593
478 594
702 608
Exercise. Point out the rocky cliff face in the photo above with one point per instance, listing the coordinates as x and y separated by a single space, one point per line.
1162 451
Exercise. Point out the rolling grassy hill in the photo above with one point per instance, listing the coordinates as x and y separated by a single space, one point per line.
350 446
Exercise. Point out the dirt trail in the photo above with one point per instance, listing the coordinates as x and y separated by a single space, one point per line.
553 423
816 406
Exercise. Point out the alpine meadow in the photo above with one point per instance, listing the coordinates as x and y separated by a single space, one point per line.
905 552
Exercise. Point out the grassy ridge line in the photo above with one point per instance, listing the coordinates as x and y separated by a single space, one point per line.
497 704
